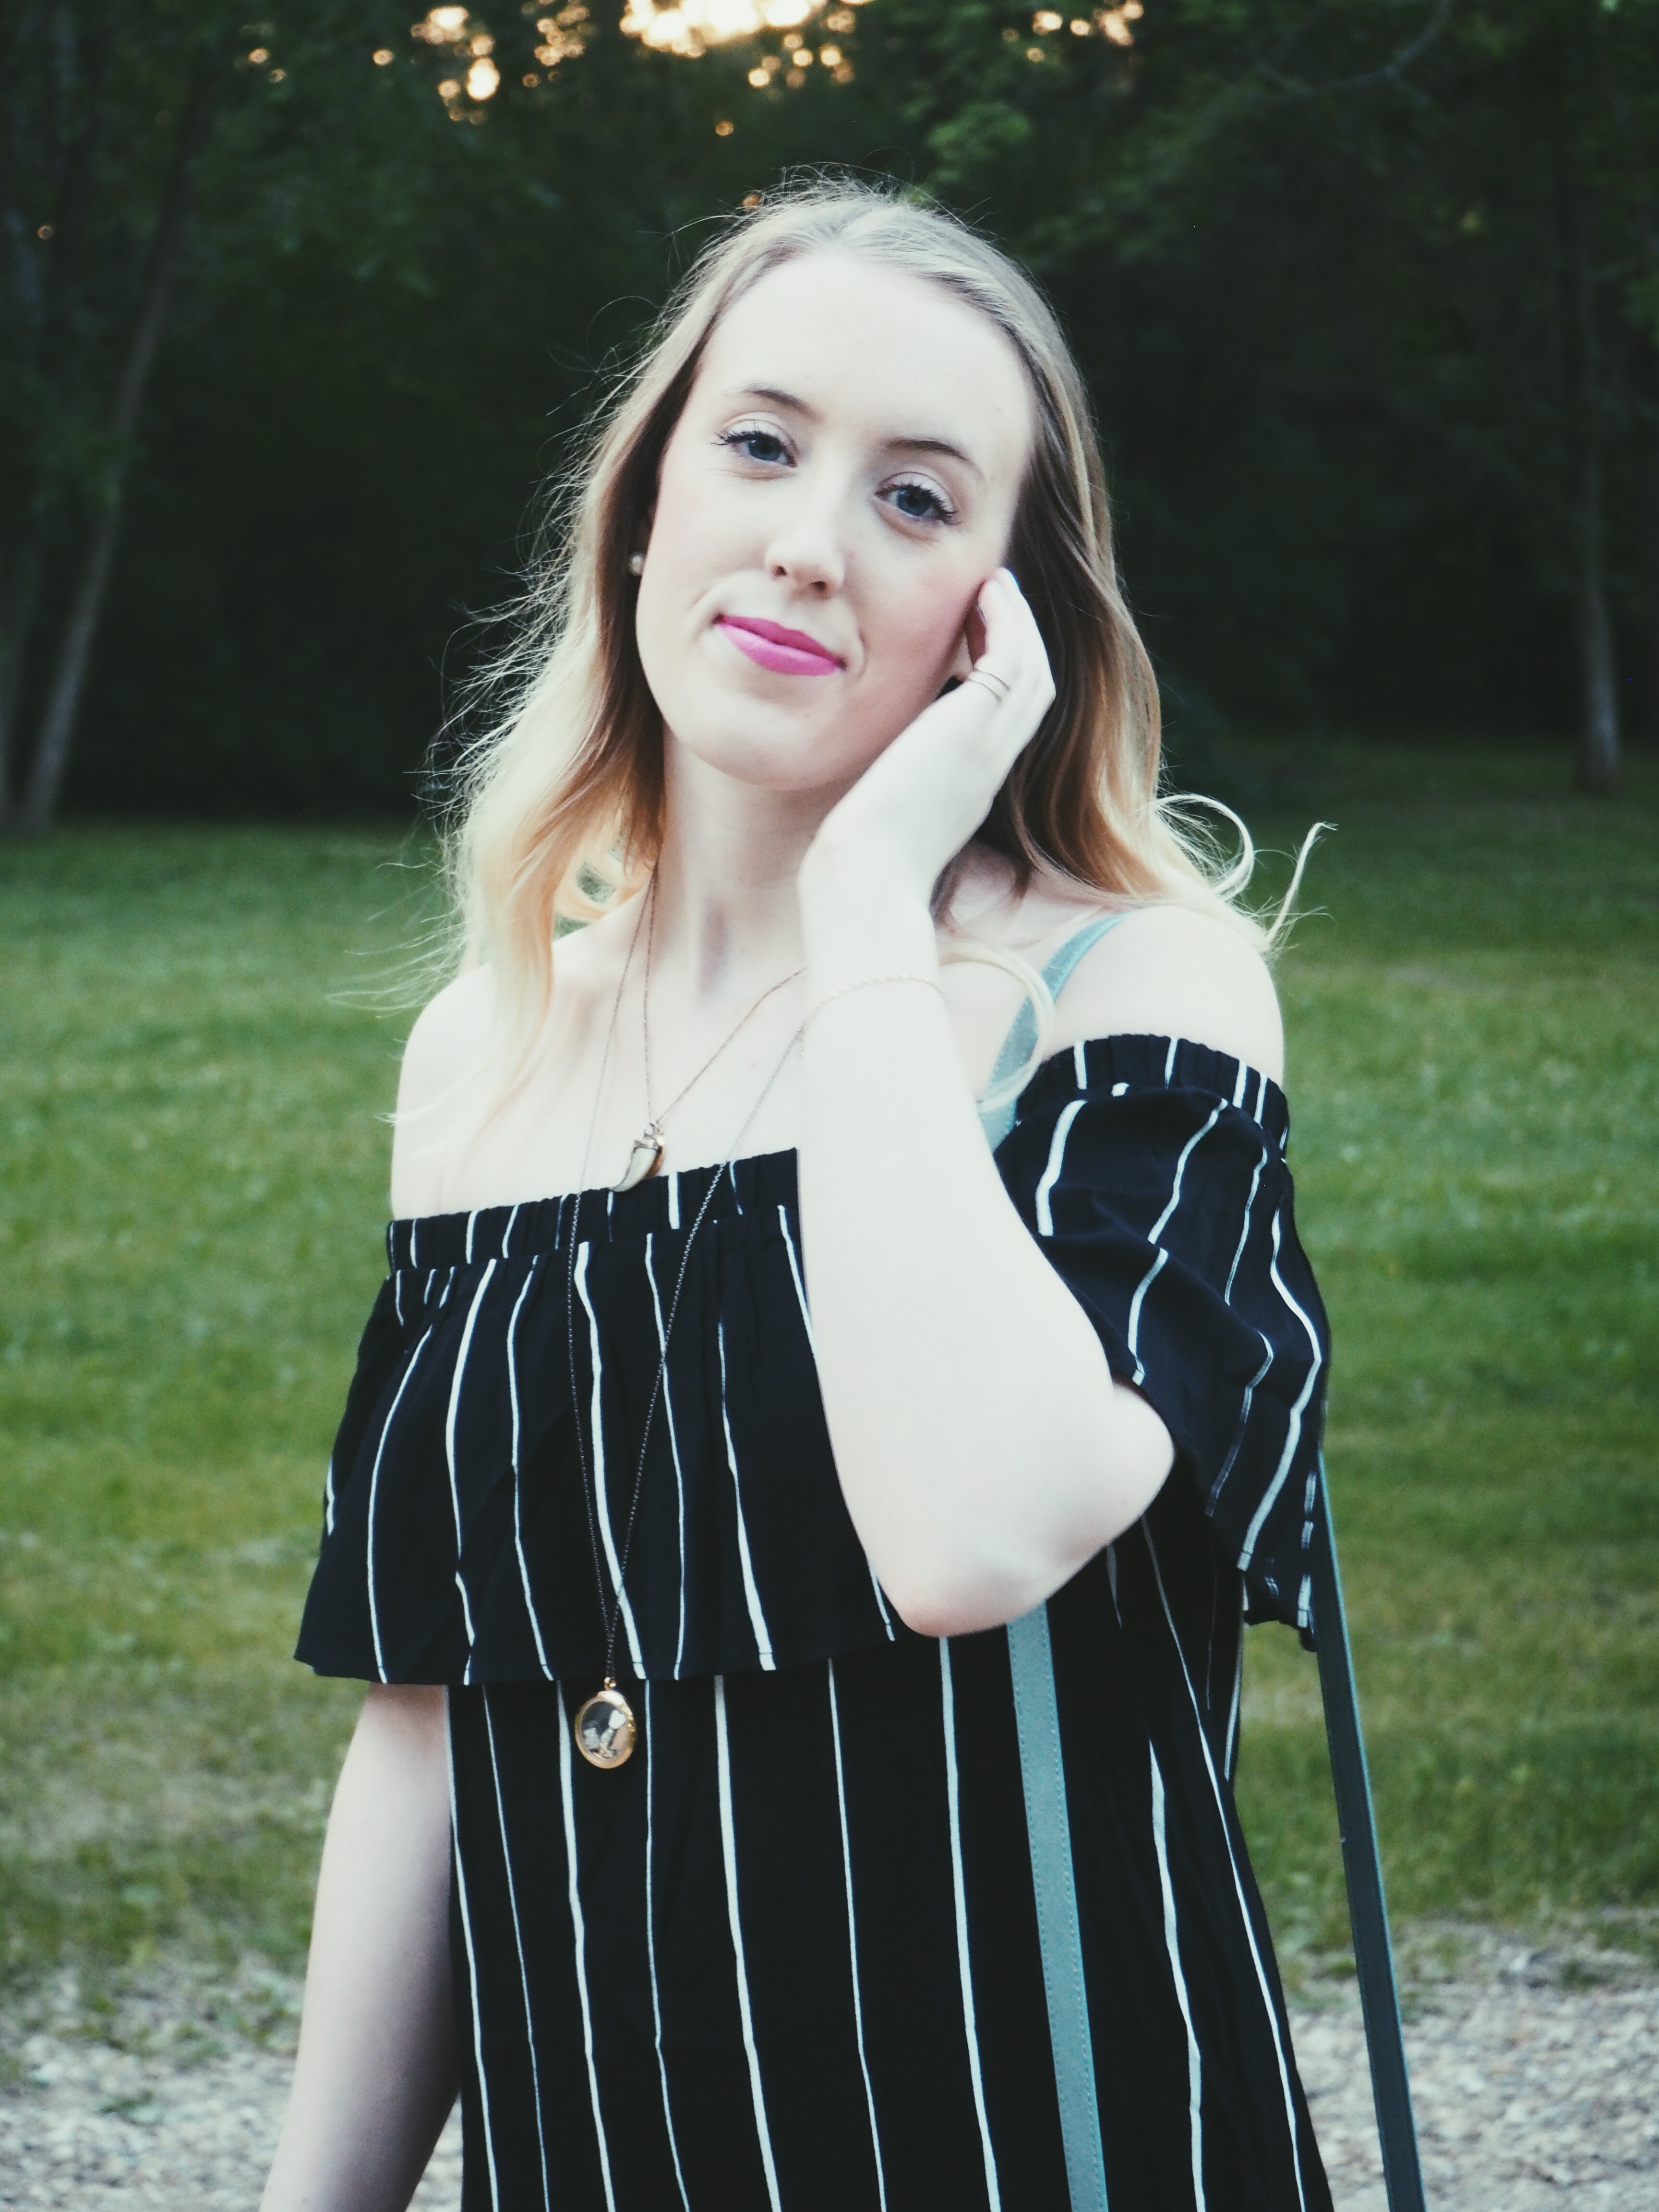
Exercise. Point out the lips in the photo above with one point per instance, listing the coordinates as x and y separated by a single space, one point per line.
785 652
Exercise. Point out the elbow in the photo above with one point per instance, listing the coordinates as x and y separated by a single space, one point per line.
941 1602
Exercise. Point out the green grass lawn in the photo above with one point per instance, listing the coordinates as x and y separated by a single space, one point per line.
191 1192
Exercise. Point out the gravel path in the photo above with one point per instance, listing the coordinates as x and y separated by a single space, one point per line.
1536 2075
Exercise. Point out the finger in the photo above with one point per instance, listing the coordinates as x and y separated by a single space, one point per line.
1014 665
1003 652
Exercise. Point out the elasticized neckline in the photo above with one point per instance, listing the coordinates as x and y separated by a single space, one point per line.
759 1182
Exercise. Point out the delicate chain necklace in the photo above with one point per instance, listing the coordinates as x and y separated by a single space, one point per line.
646 1158
605 1727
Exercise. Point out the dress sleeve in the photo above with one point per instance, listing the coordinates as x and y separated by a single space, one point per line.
1154 1174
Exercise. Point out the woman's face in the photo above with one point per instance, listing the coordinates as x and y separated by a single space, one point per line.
843 481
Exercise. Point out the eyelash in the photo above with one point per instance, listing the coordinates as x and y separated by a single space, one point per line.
750 434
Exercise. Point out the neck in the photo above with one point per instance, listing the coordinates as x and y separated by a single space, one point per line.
728 914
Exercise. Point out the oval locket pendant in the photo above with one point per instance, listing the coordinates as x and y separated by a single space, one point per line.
605 1727
642 1161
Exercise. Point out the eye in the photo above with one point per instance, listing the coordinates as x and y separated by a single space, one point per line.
756 443
918 500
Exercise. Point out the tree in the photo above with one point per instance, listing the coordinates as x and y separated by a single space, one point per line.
99 187
1454 231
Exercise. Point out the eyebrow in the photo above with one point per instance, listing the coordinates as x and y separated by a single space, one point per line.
796 405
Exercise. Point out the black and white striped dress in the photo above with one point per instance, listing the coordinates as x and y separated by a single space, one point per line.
787 1959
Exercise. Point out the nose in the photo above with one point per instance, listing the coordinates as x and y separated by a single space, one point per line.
808 550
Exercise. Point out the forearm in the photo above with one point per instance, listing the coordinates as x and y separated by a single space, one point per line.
984 1450
375 2073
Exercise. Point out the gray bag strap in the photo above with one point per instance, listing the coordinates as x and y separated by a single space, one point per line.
1368 1911
1042 1764
1042 1772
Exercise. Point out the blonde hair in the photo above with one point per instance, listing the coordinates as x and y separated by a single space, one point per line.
561 793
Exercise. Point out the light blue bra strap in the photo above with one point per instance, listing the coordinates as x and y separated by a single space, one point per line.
1041 1763
1016 1045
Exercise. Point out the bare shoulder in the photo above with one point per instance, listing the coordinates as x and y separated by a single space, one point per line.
1170 970
445 1060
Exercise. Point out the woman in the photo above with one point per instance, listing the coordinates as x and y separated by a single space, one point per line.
675 1521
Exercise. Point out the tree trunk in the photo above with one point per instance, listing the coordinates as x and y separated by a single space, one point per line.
1598 734
18 578
1598 750
1650 580
51 750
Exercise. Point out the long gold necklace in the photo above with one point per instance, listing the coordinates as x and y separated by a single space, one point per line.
605 1726
645 1157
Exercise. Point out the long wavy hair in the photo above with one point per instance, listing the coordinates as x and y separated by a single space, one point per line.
558 800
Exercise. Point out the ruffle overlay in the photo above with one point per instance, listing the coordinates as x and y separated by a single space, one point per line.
457 1545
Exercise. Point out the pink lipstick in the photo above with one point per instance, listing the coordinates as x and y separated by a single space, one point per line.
787 651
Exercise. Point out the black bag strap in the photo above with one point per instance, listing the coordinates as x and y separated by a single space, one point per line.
1368 1914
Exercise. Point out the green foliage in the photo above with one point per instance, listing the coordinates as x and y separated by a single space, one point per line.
192 1191
1359 289
1475 1084
189 1201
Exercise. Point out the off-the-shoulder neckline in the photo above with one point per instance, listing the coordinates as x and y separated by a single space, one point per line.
1248 1079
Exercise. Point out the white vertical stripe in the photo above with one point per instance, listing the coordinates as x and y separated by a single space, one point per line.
472 1983
1238 1887
518 1522
601 1500
517 1942
1079 1066
374 1491
413 1232
328 1500
806 1320
1169 1063
472 1224
853 1937
1247 1400
1244 1232
1187 1150
1045 1219
964 1967
1229 1756
1238 1087
673 1444
1294 1434
507 1233
751 1594
651 1951
674 1200
799 1282
1135 1304
729 1850
579 1929
1172 1944
397 1294
1260 1095
449 1444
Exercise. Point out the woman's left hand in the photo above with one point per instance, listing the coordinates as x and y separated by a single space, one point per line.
914 808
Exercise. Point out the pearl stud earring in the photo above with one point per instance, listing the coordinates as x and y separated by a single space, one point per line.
636 564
